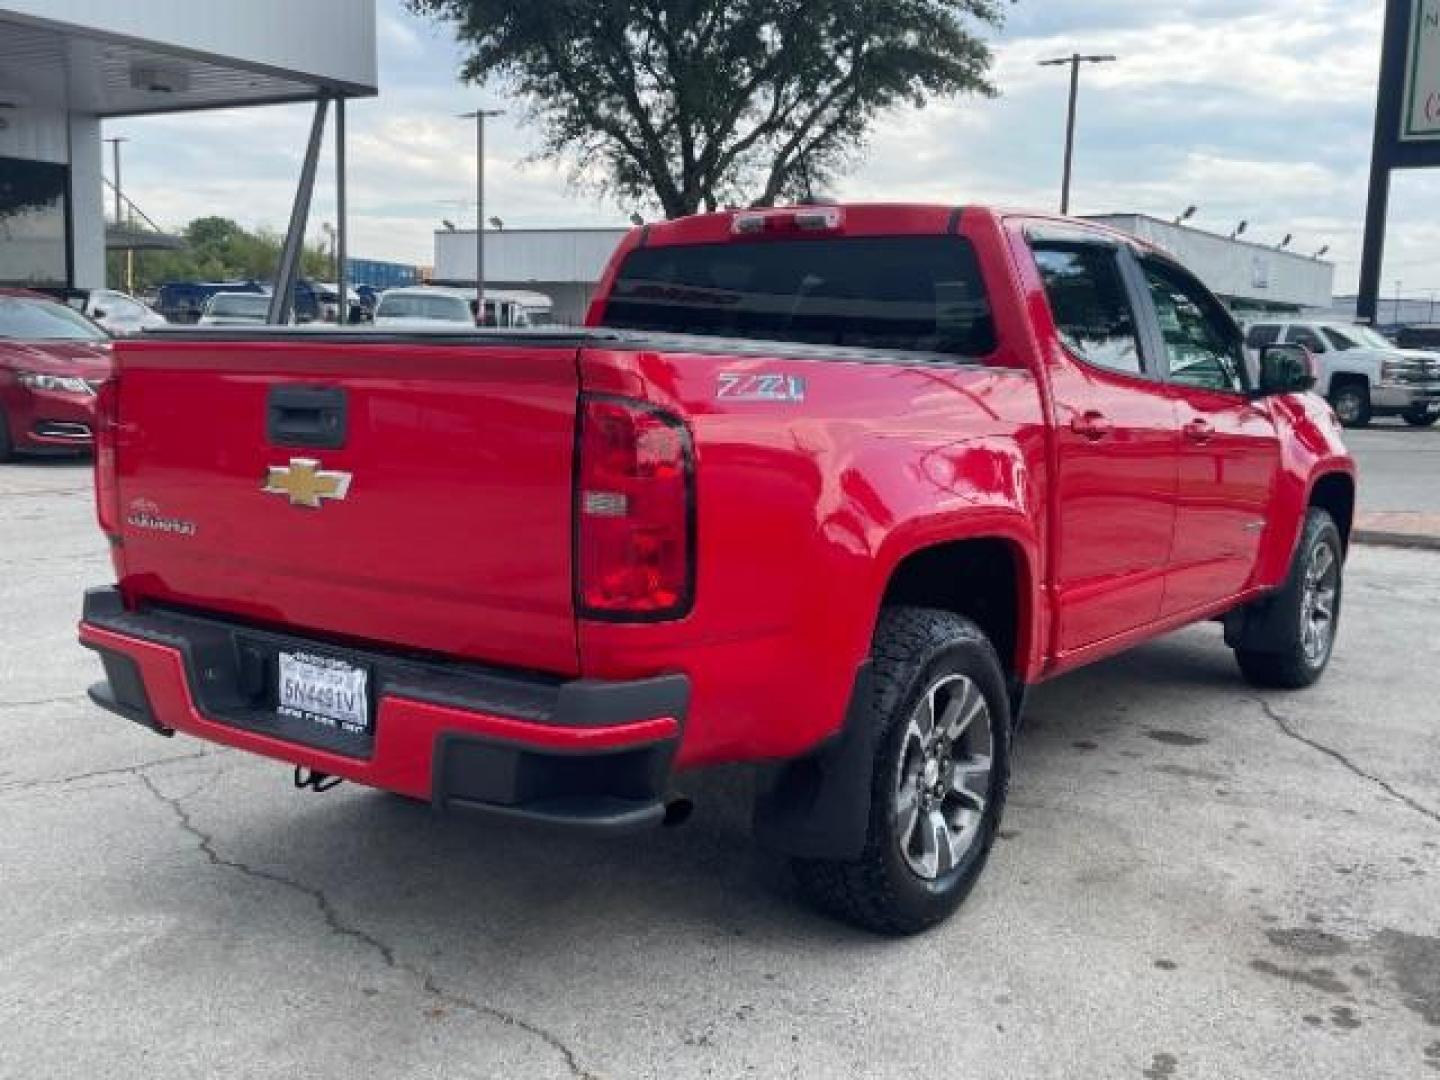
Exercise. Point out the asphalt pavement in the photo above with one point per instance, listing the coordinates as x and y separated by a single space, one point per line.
1399 467
1194 880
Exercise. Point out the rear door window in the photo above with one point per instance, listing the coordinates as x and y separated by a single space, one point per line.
914 293
1089 304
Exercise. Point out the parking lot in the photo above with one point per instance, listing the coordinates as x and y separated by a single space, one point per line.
1194 880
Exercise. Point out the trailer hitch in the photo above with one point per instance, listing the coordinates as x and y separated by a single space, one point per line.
316 780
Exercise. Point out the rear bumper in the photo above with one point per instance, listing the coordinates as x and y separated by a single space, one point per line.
582 753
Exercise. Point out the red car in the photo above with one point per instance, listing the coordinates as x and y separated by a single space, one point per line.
820 489
51 361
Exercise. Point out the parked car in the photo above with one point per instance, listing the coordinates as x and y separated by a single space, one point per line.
329 293
236 309
824 490
1361 373
183 302
118 313
51 360
424 307
441 307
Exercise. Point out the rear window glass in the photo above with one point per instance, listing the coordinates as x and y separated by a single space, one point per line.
410 306
919 293
256 305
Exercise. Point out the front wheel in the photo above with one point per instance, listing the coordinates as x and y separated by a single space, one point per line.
938 781
1421 418
1351 403
1304 616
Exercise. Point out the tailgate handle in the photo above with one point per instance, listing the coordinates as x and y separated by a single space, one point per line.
311 416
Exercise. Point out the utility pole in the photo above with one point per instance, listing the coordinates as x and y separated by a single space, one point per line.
342 284
129 252
1074 61
479 116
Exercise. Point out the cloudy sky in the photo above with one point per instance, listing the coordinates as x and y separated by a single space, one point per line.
1259 110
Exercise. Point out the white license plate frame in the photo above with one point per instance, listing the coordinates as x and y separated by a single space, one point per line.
326 691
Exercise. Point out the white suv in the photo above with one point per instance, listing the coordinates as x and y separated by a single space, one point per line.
1362 373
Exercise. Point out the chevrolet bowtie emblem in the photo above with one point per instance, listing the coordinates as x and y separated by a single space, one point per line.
304 483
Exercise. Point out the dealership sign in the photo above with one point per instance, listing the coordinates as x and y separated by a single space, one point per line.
1421 118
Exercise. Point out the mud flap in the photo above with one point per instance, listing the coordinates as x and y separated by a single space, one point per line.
818 807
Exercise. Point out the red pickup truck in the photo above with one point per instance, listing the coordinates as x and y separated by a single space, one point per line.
819 488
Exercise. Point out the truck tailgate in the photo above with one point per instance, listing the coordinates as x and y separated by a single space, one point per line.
413 495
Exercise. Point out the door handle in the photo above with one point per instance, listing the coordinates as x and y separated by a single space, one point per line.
1199 431
1090 425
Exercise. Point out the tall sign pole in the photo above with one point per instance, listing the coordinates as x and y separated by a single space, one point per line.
1407 126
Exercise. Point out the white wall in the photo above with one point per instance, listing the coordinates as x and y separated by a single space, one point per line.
528 255
34 134
87 252
333 40
1234 268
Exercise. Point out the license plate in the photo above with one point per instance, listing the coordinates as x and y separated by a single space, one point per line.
325 691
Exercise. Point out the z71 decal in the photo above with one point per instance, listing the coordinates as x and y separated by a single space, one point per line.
787 388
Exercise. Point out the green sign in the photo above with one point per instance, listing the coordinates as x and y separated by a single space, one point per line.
1421 120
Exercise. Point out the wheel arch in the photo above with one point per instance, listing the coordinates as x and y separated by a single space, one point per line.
989 579
1334 492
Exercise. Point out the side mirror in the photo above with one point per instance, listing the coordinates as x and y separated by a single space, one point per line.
99 313
1286 369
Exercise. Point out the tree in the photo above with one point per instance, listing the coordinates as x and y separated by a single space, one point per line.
696 103
218 249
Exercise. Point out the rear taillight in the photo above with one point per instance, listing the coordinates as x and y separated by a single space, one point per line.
634 512
107 486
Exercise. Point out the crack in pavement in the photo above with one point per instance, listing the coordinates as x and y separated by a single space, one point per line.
337 925
119 770
39 702
1288 728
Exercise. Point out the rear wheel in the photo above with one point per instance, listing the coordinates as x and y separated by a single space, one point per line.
1351 402
1421 418
938 781
1306 613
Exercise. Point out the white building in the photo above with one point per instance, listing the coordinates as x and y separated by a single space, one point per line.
67 65
566 264
1249 277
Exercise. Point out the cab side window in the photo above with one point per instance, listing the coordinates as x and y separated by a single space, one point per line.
1262 334
1303 335
1089 304
1204 347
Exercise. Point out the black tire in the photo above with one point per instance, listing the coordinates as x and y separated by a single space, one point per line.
7 447
1285 663
1351 402
915 650
1421 418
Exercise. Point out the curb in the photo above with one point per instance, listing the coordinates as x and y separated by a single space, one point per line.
1382 538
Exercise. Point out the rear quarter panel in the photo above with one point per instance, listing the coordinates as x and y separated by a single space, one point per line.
804 509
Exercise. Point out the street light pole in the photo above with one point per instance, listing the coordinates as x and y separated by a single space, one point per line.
479 116
130 252
1074 60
